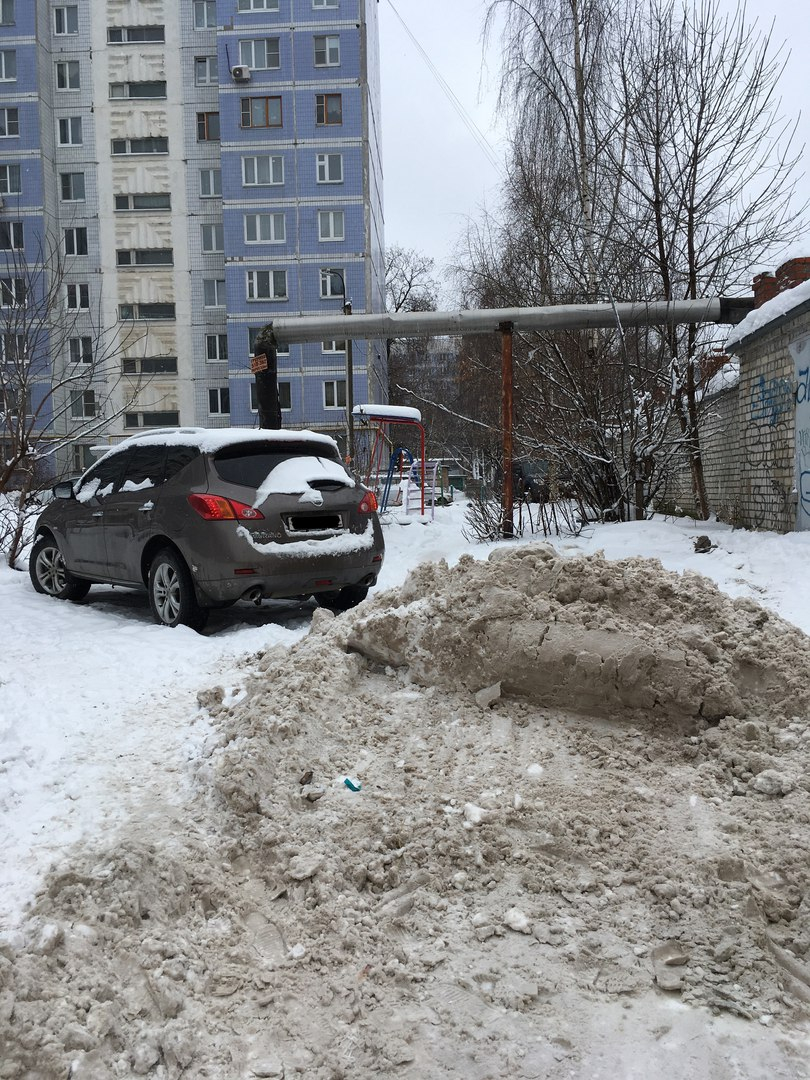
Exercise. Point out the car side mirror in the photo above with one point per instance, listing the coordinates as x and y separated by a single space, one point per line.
64 490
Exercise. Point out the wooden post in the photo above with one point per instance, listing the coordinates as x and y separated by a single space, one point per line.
507 523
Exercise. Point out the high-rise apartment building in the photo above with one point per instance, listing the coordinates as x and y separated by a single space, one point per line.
201 166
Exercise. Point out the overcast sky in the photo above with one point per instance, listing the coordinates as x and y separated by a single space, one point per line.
436 176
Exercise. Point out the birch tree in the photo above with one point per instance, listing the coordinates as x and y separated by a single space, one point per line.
647 160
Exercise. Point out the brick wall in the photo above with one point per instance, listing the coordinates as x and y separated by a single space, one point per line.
767 431
720 446
748 433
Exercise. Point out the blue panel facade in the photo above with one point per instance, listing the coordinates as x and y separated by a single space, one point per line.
282 160
296 192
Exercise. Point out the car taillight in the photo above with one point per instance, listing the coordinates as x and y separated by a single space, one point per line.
218 508
368 504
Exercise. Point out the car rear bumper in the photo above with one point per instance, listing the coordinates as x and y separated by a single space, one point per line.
272 570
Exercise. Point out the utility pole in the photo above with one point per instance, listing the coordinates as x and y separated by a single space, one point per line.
264 366
507 412
347 310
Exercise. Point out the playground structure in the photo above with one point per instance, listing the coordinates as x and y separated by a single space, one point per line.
422 483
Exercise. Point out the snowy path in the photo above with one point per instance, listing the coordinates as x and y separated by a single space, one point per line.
98 711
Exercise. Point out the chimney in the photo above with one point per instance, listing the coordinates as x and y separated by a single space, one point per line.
792 273
765 288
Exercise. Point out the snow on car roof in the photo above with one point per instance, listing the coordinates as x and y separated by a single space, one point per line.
209 440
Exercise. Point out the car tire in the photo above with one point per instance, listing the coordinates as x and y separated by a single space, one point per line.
171 592
342 599
49 574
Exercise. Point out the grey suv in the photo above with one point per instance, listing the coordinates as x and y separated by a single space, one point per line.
203 518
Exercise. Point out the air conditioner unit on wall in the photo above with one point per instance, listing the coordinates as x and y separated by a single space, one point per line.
241 73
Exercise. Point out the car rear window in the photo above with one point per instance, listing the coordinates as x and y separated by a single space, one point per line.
249 465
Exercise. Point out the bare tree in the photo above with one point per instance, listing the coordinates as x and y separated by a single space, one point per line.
410 284
60 371
647 160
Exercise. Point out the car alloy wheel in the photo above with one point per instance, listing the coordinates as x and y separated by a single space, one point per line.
50 576
171 592
166 593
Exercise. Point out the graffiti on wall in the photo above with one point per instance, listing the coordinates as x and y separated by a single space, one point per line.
770 400
768 454
800 351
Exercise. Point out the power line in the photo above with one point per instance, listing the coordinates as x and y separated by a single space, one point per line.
480 138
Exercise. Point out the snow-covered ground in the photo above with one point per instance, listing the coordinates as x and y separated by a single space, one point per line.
101 732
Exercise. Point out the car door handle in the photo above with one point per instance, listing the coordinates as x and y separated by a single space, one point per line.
98 513
147 506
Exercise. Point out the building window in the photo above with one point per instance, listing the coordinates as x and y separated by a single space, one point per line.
72 186
144 257
8 65
154 145
262 169
149 365
10 183
210 183
166 418
328 109
67 75
6 12
284 396
219 401
155 89
330 225
160 200
214 292
70 131
11 236
325 3
334 394
12 292
213 238
253 337
205 14
332 283
206 70
76 241
327 50
81 350
260 112
145 312
329 168
78 297
260 54
83 457
267 285
333 346
164 312
257 5
125 35
13 348
83 404
207 127
265 229
66 20
216 347
9 123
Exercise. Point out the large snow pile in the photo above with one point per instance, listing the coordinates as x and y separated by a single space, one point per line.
583 805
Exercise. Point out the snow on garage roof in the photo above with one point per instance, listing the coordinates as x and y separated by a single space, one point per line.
782 304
